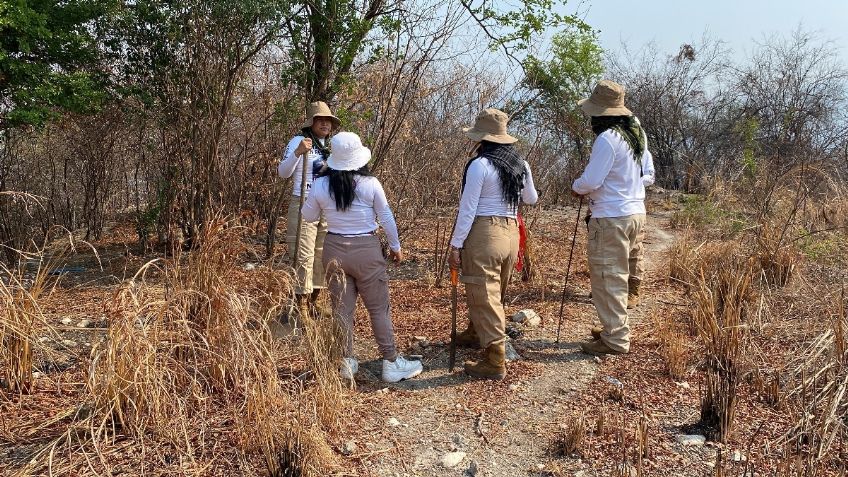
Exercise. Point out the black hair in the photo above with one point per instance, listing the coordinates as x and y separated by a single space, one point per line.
343 185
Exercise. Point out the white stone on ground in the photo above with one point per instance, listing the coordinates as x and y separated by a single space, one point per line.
452 459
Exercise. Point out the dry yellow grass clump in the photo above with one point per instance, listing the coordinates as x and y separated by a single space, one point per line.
189 362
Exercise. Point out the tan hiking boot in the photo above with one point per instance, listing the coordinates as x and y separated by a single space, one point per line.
317 307
493 364
598 348
633 293
596 332
468 338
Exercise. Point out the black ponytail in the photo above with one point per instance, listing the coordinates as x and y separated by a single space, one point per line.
343 185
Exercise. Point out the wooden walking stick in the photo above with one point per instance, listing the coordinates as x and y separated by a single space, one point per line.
452 349
568 267
300 209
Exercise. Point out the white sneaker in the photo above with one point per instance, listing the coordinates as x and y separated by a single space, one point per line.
348 368
400 369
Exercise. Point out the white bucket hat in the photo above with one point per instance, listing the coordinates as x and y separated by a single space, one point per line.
348 153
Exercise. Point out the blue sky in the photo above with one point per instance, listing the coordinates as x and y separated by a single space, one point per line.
670 23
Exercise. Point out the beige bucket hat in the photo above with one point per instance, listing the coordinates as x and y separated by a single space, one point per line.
490 125
320 109
607 99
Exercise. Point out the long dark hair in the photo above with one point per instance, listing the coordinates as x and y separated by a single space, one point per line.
343 185
510 167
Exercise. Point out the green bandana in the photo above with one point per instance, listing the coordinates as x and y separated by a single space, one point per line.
629 129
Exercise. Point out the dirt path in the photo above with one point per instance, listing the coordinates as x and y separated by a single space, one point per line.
500 429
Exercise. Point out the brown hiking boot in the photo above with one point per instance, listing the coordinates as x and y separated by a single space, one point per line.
633 293
596 332
598 348
493 364
317 307
468 338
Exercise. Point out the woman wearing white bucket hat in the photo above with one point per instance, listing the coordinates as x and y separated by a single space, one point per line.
312 141
485 240
352 200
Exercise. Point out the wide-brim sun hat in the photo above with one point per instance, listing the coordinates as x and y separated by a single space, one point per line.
319 109
607 99
348 153
490 125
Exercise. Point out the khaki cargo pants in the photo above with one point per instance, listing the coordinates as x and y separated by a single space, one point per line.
488 257
615 252
308 266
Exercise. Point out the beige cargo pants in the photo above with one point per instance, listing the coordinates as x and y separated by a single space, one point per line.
615 250
308 266
488 257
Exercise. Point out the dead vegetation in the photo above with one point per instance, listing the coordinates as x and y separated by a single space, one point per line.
189 358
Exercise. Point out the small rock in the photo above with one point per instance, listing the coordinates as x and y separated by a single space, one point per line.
383 391
540 466
692 439
471 471
248 267
614 381
419 338
513 387
44 339
598 359
37 375
84 324
393 422
67 321
683 385
527 317
452 459
738 456
69 343
511 354
513 331
348 448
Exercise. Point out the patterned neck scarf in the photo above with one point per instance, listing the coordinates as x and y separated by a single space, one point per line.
629 129
510 169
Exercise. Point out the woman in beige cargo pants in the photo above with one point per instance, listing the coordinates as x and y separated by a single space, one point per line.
352 199
313 141
615 184
485 239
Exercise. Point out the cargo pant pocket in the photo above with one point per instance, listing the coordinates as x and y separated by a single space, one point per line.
475 289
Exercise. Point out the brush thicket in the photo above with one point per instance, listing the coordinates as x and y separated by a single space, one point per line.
199 345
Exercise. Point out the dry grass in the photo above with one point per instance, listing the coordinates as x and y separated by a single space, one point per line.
193 359
570 441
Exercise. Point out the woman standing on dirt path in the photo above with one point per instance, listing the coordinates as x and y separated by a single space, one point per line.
352 200
313 141
615 182
485 240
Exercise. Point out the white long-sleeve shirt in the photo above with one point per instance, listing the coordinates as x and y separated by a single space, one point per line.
293 165
613 180
649 174
369 204
482 197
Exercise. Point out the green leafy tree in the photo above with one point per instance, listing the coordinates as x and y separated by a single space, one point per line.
49 59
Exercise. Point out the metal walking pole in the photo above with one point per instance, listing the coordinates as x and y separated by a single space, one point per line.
568 267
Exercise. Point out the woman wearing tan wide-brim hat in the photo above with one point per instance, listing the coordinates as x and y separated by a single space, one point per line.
619 169
485 240
314 142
